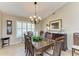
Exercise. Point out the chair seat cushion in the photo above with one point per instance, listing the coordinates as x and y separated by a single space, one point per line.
49 52
75 47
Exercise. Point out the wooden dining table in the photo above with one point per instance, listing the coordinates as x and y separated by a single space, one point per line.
43 45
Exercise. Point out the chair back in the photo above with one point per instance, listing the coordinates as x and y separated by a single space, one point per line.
48 35
30 33
57 48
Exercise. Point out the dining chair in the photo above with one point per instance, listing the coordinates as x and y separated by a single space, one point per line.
48 35
29 50
42 34
25 37
74 48
57 47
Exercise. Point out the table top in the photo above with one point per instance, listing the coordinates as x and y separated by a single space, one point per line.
43 43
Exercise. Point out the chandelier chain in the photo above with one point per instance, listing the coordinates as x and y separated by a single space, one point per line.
35 14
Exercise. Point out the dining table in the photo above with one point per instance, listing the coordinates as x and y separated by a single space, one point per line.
43 45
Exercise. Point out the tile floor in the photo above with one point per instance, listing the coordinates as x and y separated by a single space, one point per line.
18 50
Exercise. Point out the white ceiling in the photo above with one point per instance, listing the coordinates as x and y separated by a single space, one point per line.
27 8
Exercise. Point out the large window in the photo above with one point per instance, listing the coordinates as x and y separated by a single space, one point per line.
18 29
23 27
31 27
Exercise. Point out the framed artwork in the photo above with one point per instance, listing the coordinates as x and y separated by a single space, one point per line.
9 27
55 25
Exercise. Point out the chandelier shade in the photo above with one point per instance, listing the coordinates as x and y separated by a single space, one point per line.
35 19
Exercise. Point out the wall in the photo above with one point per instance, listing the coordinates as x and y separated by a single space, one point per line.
0 24
69 14
39 27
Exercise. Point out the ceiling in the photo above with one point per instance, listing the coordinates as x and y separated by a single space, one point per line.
26 9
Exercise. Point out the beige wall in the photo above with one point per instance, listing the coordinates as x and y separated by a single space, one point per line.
70 20
0 24
39 27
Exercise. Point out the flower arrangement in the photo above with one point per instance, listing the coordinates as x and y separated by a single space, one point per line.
36 38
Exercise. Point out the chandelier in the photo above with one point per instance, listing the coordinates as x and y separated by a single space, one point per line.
35 19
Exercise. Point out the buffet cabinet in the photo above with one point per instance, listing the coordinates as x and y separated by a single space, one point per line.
56 35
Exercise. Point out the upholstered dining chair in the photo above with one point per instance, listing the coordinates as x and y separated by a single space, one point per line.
42 34
29 50
25 37
56 49
74 48
48 35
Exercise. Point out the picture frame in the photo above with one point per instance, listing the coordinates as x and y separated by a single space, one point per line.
55 25
9 27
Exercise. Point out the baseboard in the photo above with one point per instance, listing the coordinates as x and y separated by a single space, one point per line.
69 48
15 43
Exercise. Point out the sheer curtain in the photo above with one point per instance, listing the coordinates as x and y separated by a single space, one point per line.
23 27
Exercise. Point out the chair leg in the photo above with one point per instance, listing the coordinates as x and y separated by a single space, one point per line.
73 50
26 52
2 43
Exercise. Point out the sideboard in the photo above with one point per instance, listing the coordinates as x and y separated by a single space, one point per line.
56 35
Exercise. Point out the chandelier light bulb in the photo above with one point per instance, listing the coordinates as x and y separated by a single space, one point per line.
34 16
30 17
39 18
36 19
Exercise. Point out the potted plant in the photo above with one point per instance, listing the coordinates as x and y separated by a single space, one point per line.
36 38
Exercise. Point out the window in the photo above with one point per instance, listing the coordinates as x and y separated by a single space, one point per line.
31 27
23 27
20 28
